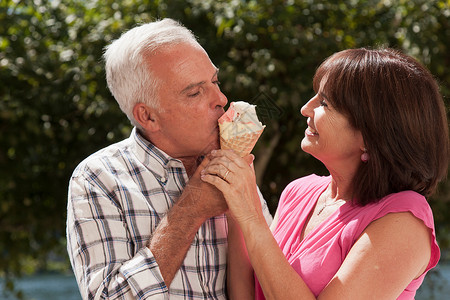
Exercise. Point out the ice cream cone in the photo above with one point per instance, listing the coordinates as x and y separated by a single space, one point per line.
240 128
243 144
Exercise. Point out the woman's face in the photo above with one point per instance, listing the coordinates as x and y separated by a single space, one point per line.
329 136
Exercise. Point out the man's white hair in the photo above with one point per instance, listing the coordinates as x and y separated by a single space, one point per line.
128 75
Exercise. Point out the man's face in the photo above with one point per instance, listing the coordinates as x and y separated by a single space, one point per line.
190 99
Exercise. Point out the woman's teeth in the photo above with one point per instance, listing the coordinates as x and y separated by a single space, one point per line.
310 131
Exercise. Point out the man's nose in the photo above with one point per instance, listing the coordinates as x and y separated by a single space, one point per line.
220 100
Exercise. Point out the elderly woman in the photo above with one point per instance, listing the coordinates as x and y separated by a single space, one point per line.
378 123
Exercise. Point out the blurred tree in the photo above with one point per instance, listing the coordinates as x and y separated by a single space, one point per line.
55 108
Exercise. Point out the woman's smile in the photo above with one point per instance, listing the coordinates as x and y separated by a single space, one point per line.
310 132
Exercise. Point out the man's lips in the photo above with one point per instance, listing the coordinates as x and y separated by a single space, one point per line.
214 131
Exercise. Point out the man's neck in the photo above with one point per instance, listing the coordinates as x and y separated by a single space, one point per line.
190 164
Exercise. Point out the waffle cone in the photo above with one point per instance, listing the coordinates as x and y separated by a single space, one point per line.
241 144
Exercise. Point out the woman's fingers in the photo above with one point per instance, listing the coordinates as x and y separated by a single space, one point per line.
249 159
216 181
218 170
231 156
228 167
235 178
224 162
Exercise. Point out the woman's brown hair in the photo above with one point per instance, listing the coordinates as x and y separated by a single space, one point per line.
396 104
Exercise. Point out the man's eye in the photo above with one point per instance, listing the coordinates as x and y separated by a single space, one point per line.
216 82
194 95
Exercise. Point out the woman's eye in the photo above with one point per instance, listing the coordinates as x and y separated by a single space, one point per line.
323 103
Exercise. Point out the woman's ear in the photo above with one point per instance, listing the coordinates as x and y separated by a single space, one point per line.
146 117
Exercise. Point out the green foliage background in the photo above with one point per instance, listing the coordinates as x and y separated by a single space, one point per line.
55 108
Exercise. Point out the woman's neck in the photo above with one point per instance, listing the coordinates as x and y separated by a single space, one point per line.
341 186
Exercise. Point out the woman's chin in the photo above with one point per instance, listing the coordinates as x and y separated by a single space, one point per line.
305 145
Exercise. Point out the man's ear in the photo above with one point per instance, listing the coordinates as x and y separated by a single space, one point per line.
146 117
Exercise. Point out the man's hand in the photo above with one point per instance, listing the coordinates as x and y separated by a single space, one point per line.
205 199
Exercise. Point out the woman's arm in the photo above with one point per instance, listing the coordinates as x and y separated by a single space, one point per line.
278 279
391 252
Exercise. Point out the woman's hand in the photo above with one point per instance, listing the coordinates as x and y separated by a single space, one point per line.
235 177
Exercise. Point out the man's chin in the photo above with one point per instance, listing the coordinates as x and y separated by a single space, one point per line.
210 147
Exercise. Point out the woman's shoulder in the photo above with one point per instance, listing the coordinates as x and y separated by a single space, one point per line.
302 187
312 181
405 201
415 204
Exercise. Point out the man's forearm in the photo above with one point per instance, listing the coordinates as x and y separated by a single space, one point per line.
173 237
240 278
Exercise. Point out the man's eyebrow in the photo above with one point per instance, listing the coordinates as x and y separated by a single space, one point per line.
215 74
192 85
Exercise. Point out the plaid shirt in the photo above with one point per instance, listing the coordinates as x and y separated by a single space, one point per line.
117 197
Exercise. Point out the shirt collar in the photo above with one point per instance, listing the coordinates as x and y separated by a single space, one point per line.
151 156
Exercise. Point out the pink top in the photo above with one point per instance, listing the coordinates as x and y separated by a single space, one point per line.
320 254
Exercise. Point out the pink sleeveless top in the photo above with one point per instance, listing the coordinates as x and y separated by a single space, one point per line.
320 254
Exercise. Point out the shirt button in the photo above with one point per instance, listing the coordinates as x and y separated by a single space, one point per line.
163 179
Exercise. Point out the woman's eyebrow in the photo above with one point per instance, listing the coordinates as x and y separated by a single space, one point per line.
322 94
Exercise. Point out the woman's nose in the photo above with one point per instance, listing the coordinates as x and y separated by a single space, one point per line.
307 109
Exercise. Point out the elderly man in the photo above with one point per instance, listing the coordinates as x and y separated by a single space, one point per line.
141 224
